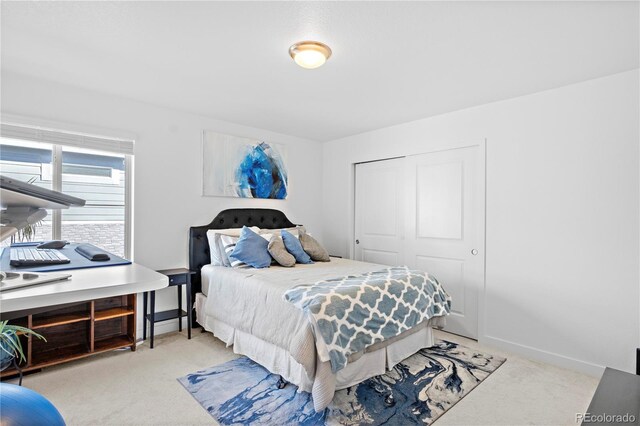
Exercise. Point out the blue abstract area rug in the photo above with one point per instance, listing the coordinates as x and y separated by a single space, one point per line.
424 386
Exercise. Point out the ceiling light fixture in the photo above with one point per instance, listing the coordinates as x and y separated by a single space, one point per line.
310 54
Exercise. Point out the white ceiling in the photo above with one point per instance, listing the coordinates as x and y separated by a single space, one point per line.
392 62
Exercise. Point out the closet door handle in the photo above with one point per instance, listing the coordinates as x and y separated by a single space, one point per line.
357 241
474 252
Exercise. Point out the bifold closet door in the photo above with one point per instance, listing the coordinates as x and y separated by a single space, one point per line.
444 227
379 212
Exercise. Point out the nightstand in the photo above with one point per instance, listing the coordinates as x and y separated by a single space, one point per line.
178 278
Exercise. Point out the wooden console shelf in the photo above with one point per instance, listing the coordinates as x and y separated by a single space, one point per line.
39 323
77 331
114 313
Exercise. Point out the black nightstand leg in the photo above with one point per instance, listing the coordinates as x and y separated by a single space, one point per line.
189 306
144 316
179 287
152 319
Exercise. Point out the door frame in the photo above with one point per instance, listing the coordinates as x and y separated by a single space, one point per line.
481 220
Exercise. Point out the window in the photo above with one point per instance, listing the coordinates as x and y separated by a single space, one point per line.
22 160
100 177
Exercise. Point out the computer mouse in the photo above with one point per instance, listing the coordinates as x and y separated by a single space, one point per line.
54 244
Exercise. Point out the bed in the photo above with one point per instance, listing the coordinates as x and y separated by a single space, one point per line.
245 309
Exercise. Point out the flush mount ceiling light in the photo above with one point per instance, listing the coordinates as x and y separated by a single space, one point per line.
310 54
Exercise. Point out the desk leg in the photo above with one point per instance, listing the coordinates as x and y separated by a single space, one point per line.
179 287
189 306
144 316
152 320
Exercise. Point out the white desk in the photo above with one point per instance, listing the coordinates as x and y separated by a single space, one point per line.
84 284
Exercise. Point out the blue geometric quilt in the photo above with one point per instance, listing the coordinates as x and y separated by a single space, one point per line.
357 311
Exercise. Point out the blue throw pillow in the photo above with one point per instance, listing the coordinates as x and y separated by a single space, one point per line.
251 249
294 247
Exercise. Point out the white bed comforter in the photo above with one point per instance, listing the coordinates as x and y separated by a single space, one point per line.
251 300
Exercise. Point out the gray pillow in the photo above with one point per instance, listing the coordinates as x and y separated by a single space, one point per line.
313 248
278 251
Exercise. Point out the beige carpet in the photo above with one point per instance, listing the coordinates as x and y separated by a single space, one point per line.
140 388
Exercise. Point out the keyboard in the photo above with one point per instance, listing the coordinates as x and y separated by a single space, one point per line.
26 256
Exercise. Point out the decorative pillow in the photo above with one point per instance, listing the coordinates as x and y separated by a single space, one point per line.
224 256
313 248
295 248
216 247
278 251
228 244
251 249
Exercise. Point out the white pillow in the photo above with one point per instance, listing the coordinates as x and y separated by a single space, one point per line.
294 231
216 247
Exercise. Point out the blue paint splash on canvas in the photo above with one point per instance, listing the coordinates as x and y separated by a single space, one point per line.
262 174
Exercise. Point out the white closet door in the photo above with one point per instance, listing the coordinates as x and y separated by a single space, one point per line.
379 211
445 227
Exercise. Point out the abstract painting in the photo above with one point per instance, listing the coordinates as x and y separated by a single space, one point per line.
234 166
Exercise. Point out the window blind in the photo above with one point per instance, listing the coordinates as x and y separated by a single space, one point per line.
60 137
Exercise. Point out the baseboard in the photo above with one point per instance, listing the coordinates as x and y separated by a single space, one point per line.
544 356
519 349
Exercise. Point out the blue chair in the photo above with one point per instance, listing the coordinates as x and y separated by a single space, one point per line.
20 406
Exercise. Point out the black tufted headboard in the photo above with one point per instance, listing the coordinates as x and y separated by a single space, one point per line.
231 218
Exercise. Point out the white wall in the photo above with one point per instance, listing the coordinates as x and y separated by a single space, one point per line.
167 185
562 266
562 200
